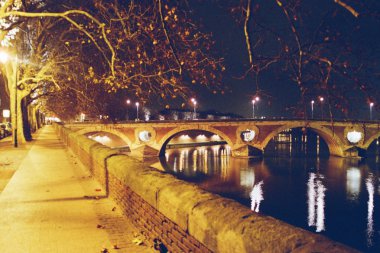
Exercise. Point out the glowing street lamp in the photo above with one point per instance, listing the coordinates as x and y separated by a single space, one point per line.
370 110
312 109
137 111
194 106
321 99
128 103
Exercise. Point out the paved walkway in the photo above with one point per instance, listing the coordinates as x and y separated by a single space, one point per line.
45 207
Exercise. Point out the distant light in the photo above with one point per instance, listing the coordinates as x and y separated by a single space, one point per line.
101 139
354 136
215 137
145 136
312 101
371 104
6 113
128 101
201 137
253 101
82 117
4 56
184 137
248 135
321 99
137 104
257 98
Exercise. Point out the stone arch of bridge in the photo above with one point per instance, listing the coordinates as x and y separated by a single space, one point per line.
111 131
168 136
371 140
335 145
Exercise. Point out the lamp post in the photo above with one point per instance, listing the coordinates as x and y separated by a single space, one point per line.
312 109
370 110
321 99
4 58
194 106
253 108
128 103
137 111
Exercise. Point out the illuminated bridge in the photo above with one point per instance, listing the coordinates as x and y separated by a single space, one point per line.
245 137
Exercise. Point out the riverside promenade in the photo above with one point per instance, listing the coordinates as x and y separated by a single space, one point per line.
50 203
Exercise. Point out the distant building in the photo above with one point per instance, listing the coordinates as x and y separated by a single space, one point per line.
186 114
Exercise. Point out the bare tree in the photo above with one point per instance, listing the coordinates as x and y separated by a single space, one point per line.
314 47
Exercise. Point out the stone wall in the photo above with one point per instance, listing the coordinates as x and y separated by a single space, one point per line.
184 217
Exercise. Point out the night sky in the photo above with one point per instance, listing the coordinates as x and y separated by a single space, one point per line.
280 94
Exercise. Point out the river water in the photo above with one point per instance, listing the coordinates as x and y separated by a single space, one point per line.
336 197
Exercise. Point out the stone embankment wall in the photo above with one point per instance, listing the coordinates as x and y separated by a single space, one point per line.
184 217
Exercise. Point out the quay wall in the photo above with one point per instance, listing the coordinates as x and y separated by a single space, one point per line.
182 216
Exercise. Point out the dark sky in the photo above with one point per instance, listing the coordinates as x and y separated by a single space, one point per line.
363 33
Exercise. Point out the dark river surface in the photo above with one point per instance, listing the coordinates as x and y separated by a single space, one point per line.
336 197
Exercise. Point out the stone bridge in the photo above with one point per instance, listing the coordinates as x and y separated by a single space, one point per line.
243 136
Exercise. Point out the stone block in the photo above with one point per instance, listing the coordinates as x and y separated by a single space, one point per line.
177 200
143 181
226 226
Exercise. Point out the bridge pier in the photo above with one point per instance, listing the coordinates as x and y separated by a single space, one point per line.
144 151
247 151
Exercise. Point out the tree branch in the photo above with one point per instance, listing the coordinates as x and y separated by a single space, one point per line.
167 36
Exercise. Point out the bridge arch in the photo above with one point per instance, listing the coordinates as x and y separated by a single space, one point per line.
333 142
168 136
371 140
119 134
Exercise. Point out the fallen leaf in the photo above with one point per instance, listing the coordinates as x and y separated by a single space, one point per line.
100 226
137 241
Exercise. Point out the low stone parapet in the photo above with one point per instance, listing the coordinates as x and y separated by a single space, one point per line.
183 217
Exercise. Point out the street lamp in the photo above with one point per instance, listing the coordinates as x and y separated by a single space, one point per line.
137 111
254 101
128 103
195 106
321 99
4 58
370 110
312 109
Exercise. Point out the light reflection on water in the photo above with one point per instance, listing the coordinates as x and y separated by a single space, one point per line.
370 189
332 196
316 202
353 183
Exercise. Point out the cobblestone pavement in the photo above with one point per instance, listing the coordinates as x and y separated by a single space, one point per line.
51 204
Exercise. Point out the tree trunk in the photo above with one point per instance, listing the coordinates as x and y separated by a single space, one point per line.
26 127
